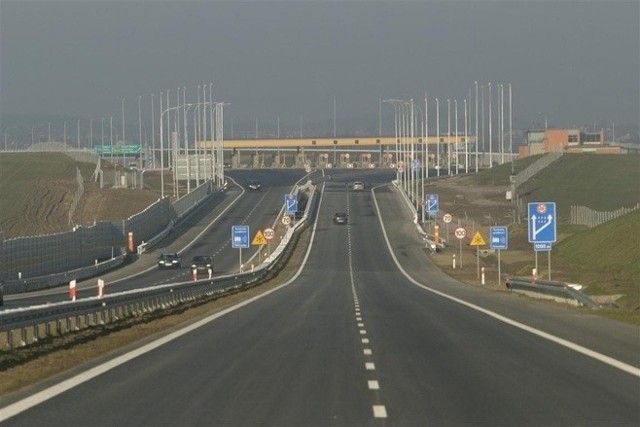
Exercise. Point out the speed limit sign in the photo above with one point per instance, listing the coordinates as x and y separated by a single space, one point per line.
447 218
286 220
460 233
268 233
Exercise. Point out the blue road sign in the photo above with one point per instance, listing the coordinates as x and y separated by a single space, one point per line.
240 236
290 203
499 238
542 246
432 204
542 222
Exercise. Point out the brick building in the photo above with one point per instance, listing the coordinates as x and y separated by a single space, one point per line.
567 140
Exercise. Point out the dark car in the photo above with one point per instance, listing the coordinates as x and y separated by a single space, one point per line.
255 185
169 261
202 262
340 218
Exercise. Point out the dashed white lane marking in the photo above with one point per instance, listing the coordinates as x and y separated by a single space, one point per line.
379 411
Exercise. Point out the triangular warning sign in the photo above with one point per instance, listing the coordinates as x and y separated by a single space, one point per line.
259 239
477 240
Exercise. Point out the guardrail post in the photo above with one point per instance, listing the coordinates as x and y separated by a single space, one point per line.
23 337
10 339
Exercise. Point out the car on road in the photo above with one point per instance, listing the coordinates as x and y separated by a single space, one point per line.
171 260
358 186
340 218
202 262
255 185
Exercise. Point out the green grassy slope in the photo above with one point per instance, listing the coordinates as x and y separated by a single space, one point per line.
600 182
612 247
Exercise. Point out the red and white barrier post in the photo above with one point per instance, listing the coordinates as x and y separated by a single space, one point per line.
72 290
210 270
194 273
100 288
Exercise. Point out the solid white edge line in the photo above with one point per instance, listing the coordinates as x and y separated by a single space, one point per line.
50 392
561 341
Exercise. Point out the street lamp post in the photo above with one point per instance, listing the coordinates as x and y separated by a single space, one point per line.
455 106
437 137
448 136
476 123
162 113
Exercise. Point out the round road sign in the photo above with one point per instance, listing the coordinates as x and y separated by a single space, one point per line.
447 218
268 233
286 220
460 233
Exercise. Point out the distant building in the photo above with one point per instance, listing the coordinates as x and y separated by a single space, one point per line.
566 140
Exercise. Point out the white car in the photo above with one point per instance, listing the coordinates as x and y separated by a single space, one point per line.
358 186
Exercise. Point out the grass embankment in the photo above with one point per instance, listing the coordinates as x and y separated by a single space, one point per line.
605 259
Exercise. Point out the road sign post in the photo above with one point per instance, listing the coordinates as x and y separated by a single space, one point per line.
290 204
269 233
460 234
477 241
240 239
499 240
447 218
541 221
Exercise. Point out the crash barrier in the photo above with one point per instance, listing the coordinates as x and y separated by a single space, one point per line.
69 316
25 260
549 289
52 280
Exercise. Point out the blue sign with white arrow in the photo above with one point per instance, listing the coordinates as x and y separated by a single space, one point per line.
432 204
240 236
499 238
290 203
542 222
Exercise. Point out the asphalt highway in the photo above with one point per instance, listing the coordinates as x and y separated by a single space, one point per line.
207 231
367 333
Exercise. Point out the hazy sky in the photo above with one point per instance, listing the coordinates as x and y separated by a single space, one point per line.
575 61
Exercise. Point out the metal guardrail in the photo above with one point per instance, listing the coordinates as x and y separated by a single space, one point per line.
549 289
74 315
32 284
